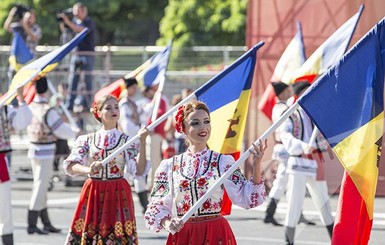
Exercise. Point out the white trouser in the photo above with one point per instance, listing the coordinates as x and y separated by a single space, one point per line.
6 226
42 171
296 194
154 149
280 182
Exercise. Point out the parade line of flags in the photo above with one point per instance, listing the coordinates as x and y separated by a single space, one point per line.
345 102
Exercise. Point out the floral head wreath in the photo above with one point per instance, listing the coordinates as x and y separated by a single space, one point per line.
94 111
179 127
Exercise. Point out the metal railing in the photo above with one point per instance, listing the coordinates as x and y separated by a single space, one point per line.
188 67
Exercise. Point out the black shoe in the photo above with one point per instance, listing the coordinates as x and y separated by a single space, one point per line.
34 229
52 229
271 220
302 219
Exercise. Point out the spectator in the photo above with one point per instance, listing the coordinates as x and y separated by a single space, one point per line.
22 20
84 60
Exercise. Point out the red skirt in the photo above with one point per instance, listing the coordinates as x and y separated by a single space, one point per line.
104 215
207 231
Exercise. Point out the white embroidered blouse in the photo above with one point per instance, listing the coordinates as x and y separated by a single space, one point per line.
183 179
97 146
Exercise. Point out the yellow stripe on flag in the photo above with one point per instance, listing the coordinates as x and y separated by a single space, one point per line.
228 125
358 154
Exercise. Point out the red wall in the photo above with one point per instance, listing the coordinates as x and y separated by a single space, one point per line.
274 21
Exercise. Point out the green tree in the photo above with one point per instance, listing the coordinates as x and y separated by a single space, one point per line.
202 22
118 22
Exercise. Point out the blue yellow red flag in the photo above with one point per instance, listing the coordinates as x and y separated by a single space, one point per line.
227 96
40 67
20 53
291 60
149 73
347 105
329 52
154 70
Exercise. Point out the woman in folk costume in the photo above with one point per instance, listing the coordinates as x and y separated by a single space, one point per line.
185 178
105 212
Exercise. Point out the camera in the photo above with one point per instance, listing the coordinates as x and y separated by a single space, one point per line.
67 12
20 10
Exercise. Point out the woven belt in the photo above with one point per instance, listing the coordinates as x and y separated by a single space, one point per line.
98 178
204 218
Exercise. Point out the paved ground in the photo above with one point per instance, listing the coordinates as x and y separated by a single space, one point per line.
247 224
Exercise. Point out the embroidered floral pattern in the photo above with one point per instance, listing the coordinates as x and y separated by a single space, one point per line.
191 183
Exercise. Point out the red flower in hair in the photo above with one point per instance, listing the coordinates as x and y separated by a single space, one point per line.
94 111
179 127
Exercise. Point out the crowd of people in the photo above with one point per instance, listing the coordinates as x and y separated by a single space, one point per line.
164 178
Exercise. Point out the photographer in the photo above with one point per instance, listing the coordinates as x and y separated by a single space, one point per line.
23 20
84 60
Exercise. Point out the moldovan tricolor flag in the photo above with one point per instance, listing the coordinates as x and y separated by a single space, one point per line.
20 53
227 96
329 52
40 67
347 105
291 60
149 73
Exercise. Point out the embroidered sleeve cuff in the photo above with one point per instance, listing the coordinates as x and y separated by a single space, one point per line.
258 193
153 218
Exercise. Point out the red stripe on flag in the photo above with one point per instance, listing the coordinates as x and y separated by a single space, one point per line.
226 202
309 78
29 92
267 101
114 89
352 223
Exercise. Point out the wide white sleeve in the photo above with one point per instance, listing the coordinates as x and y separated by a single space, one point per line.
128 127
242 192
131 155
161 198
78 154
19 117
59 128
292 145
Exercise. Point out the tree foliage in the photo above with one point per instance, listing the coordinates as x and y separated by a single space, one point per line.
136 22
202 22
118 22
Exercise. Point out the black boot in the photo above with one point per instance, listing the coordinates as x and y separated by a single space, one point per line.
7 239
330 230
143 198
270 211
48 227
32 221
289 235
302 219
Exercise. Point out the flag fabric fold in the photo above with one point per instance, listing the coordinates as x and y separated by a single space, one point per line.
147 74
329 52
291 60
227 96
20 53
40 67
347 106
